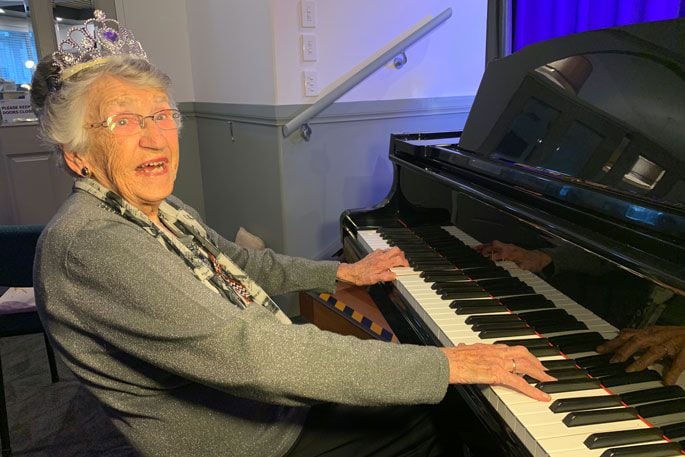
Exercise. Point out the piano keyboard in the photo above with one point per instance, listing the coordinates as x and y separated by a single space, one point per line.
541 430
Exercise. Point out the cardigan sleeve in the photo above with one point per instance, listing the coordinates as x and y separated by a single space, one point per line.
275 273
141 299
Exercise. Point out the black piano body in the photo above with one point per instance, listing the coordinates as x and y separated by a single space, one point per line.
576 146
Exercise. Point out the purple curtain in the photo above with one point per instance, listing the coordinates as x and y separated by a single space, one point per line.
537 20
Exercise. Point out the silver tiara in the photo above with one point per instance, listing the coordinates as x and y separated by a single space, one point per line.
92 43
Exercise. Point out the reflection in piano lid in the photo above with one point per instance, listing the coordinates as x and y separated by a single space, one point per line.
575 148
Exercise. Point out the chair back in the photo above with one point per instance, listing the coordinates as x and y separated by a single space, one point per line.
17 250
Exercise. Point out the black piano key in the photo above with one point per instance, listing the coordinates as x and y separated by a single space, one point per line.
622 437
646 450
475 320
420 265
567 385
481 327
674 431
603 416
662 408
526 342
548 351
576 338
631 378
593 360
578 348
563 374
447 276
503 333
532 299
482 273
609 369
559 364
441 274
544 315
566 405
465 304
600 416
465 295
525 305
485 309
656 394
493 283
560 327
441 288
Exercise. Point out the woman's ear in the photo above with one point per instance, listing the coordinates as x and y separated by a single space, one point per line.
73 161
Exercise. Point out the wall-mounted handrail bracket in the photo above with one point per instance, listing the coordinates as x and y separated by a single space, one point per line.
400 60
306 132
341 89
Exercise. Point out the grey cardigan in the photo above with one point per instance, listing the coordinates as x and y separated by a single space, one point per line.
180 370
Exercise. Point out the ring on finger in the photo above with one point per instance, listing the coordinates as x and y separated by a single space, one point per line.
513 366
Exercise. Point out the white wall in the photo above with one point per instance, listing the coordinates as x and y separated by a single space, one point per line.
248 52
232 51
447 62
162 28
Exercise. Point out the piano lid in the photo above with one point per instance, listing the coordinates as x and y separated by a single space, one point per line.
584 135
602 108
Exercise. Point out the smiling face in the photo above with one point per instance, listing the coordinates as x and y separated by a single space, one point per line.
140 167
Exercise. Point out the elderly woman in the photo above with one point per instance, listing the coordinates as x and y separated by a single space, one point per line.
171 326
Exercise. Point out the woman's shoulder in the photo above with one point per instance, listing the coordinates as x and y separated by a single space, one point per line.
80 215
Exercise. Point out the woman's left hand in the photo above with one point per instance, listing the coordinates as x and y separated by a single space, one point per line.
373 268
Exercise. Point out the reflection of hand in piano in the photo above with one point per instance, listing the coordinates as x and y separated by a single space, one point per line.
496 364
534 261
373 268
658 342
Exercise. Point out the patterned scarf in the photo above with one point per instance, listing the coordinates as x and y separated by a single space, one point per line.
211 266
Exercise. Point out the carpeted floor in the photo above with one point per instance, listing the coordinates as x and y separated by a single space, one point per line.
46 419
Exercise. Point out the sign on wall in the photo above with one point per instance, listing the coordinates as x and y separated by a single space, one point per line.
14 110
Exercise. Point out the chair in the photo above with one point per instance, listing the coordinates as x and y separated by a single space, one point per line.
17 249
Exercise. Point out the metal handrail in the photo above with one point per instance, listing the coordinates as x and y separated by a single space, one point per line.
324 102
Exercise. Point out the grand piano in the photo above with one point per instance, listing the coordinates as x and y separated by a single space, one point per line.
574 147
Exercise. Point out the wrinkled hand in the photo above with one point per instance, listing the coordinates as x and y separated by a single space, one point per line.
534 261
493 364
655 343
373 268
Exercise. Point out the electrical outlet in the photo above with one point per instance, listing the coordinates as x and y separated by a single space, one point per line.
311 83
308 13
309 52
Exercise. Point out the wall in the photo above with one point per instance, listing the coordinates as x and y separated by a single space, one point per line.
162 28
231 51
447 62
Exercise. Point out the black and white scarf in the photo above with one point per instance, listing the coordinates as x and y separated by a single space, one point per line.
190 242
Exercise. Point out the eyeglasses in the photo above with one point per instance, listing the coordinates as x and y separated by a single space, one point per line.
130 123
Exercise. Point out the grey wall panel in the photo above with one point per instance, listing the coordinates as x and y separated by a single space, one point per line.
291 192
188 186
241 176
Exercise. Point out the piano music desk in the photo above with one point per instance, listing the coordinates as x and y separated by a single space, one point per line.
349 311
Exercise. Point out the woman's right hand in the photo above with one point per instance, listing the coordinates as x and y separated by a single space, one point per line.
497 364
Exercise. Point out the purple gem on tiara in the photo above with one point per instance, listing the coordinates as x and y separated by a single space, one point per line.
110 35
